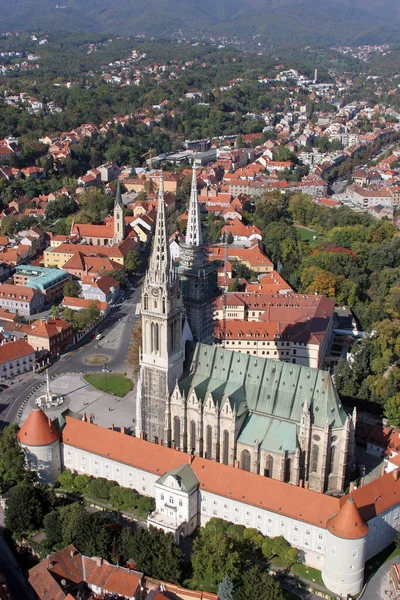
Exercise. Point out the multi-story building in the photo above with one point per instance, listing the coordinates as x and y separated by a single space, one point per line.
295 328
282 420
49 282
334 535
16 358
53 336
21 300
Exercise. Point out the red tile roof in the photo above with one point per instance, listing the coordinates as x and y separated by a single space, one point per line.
38 430
347 523
15 350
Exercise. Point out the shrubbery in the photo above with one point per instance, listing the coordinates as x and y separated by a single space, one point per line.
99 488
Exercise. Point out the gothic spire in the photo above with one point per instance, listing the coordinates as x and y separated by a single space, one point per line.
160 260
118 197
193 231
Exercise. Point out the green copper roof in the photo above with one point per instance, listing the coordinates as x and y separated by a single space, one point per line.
185 475
272 435
262 385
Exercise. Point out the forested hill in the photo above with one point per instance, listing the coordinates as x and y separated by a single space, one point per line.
268 22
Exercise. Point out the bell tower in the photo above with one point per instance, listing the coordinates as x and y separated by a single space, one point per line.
119 221
162 353
197 274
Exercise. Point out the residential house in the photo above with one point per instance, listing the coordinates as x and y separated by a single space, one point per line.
21 300
16 358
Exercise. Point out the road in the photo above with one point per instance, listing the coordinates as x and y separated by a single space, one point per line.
116 329
17 585
379 582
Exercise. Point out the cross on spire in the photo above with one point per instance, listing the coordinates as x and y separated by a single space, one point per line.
160 259
193 231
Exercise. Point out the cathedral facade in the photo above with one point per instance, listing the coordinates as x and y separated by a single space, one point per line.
273 418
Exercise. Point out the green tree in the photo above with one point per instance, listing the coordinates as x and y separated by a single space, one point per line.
214 553
68 517
255 583
12 460
53 530
66 479
26 507
392 410
230 238
71 290
132 261
81 482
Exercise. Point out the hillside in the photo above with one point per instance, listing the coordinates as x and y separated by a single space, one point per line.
268 22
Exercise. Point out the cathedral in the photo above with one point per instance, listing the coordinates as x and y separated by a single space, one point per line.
273 418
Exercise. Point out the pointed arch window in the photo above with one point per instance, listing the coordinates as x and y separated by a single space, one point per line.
332 460
146 302
177 431
245 460
225 448
269 467
314 458
209 442
192 436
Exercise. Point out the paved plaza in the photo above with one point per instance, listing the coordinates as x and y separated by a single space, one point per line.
80 397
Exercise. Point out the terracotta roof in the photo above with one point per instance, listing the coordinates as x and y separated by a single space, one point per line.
347 523
96 231
15 350
38 430
48 329
82 303
17 292
300 503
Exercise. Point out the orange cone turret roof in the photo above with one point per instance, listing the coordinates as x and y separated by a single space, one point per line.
38 430
348 523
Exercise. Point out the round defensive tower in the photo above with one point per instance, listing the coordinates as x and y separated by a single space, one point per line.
343 570
40 440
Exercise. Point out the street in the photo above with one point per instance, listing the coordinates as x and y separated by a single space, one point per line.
116 329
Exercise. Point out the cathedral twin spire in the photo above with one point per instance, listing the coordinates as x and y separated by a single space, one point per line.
160 262
193 231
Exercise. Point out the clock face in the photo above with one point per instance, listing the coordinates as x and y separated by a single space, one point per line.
155 293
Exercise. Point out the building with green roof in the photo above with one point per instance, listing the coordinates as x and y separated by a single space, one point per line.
50 282
270 417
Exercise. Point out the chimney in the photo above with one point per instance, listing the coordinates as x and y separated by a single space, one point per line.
351 487
236 464
362 481
306 485
141 435
112 427
160 442
191 457
100 562
301 483
383 470
395 474
84 417
123 430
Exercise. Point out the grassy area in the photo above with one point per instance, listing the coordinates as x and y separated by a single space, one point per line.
308 573
111 383
307 235
204 585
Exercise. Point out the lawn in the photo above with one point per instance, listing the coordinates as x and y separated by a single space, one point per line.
307 235
308 573
110 383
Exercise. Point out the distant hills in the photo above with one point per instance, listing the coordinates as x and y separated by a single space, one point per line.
268 22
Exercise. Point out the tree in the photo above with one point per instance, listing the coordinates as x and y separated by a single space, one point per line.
12 459
53 530
230 238
214 553
70 289
392 410
132 261
26 507
66 479
68 517
226 589
61 207
81 482
255 583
